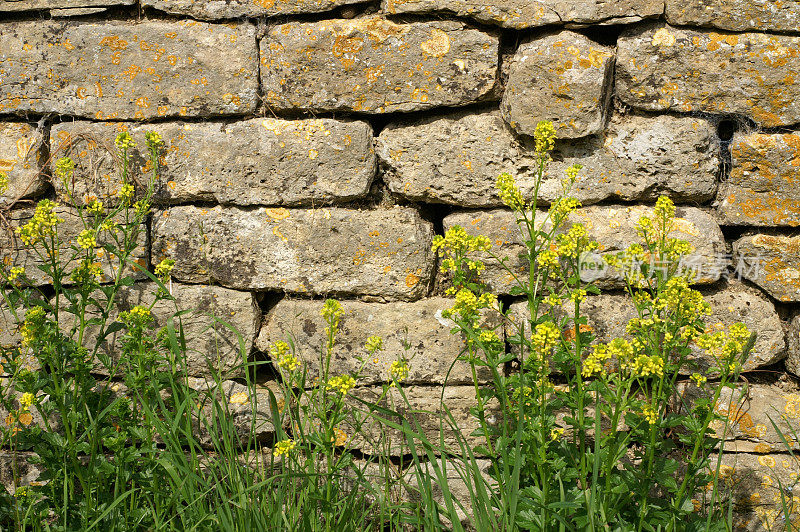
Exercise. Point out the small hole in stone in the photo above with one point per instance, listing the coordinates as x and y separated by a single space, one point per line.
726 129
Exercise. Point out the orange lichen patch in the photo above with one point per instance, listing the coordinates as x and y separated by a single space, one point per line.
114 42
438 45
411 280
278 213
569 333
778 244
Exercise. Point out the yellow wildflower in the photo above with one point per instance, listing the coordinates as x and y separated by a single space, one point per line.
64 167
332 310
87 240
545 337
95 208
15 272
373 344
342 383
26 400
284 447
698 379
544 136
650 415
124 141
509 193
127 192
3 182
42 225
547 259
164 269
398 371
556 434
153 139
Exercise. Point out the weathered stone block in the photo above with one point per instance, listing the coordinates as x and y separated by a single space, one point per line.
518 15
608 315
424 412
17 470
614 228
13 252
28 5
764 186
772 262
636 158
264 161
565 78
118 70
793 345
382 253
660 67
416 331
20 149
218 9
373 65
736 15
209 343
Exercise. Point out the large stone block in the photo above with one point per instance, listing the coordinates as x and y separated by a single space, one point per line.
793 345
563 77
664 68
456 160
416 331
520 14
614 228
772 262
764 186
264 161
736 15
608 315
373 65
29 5
13 252
210 344
128 71
20 150
217 9
381 253
428 410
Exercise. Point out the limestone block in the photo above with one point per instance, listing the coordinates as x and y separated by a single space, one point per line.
772 262
373 65
210 344
457 159
664 68
20 150
518 14
608 315
219 9
116 70
382 253
614 229
14 252
562 77
423 411
16 465
264 161
764 187
793 343
765 15
416 331
29 5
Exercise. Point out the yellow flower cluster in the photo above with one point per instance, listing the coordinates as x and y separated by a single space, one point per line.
136 316
574 242
725 347
646 366
331 311
284 447
87 239
556 434
342 383
95 208
398 371
454 247
15 272
467 304
665 209
373 344
30 328
281 354
26 400
153 139
595 362
64 167
547 259
126 193
509 193
545 337
87 271
42 225
164 269
124 141
544 137
3 182
698 379
577 295
650 415
562 207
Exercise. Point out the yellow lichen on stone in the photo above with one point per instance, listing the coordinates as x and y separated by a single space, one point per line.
663 37
438 45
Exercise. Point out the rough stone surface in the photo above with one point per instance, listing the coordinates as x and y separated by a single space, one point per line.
26 5
614 229
793 345
757 481
264 161
226 9
425 408
20 150
17 466
764 185
14 252
76 12
432 350
772 262
565 78
373 65
608 314
521 14
664 68
636 158
119 70
384 253
736 15
209 344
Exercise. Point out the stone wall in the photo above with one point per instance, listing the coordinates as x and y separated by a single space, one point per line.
314 148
